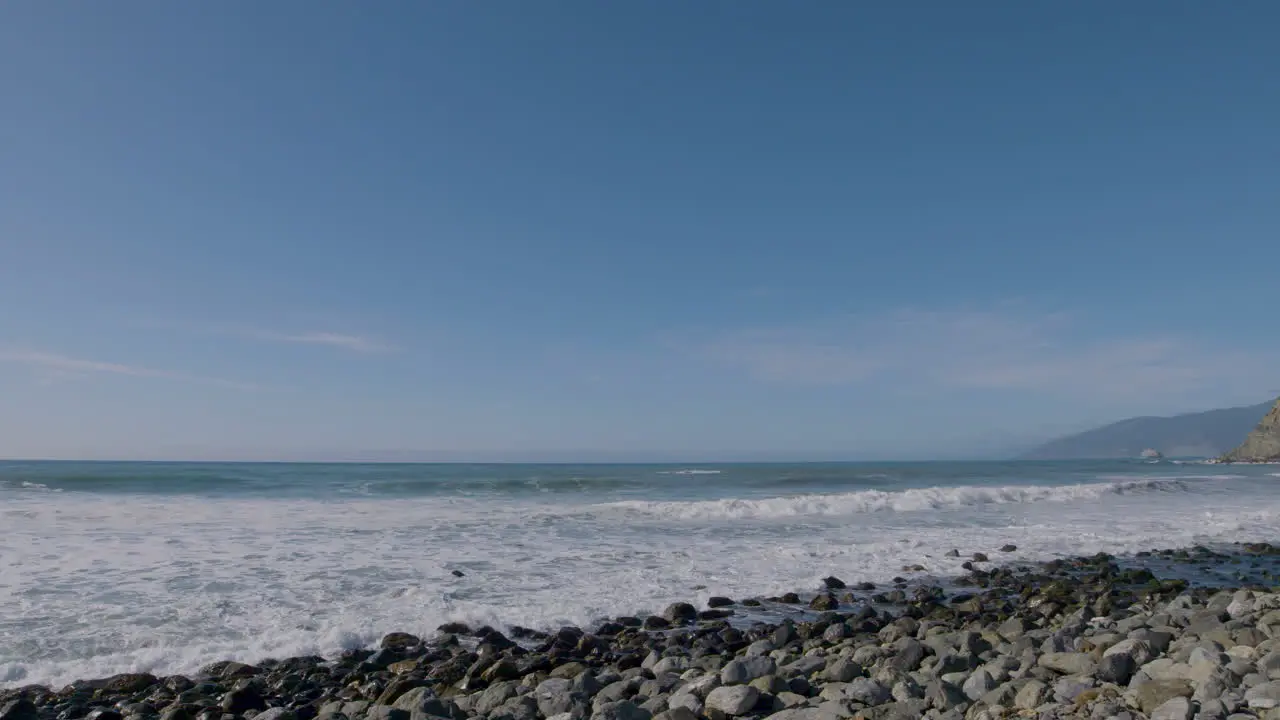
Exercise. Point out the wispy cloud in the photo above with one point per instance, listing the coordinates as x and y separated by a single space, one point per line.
985 350
63 366
354 343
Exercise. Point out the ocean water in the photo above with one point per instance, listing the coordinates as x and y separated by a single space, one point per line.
165 567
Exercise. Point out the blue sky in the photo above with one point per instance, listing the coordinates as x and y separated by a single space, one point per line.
582 229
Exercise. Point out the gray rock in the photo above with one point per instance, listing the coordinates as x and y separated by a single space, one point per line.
1264 696
495 696
519 708
733 700
867 692
377 712
623 710
803 714
279 713
1154 693
1069 663
686 700
760 647
1178 708
842 670
675 714
979 683
942 695
1070 687
671 665
804 667
908 654
742 671
1031 696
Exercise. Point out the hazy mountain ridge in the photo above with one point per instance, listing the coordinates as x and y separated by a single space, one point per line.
1201 434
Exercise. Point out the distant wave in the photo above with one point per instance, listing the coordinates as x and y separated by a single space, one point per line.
689 472
868 501
27 485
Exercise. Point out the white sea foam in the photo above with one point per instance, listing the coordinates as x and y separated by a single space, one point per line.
914 500
92 585
692 471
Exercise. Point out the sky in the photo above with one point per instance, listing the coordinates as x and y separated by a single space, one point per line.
583 230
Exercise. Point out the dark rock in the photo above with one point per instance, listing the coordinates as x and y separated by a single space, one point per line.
834 583
458 573
19 709
715 614
238 702
719 602
953 553
680 613
129 683
654 622
980 557
104 714
1009 548
790 599
454 628
1117 668
826 601
399 641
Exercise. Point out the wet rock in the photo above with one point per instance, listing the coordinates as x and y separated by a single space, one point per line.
238 702
19 709
833 583
1009 548
680 613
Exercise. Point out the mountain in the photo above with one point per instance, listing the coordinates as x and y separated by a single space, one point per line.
1262 444
1201 434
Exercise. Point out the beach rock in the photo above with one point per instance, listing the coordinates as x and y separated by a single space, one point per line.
19 709
834 583
842 670
867 692
377 712
1178 708
686 700
680 613
1069 663
744 670
1151 695
1032 695
676 713
825 601
1117 668
1264 696
238 702
733 700
978 684
1009 548
808 713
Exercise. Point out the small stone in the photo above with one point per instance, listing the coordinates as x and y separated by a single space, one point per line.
1009 548
834 583
733 701
676 713
980 557
458 573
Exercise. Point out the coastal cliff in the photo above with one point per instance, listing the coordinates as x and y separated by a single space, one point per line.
1262 444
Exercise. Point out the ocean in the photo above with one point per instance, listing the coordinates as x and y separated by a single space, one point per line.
165 567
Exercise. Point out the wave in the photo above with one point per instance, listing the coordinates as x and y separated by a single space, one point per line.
689 472
913 500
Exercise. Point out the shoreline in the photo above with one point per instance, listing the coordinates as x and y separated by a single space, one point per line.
1161 634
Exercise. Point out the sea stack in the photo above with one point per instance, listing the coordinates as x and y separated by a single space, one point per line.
1263 444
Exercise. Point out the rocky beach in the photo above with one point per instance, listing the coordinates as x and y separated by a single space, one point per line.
1191 633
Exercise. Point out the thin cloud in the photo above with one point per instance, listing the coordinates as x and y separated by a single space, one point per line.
70 367
991 350
354 343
